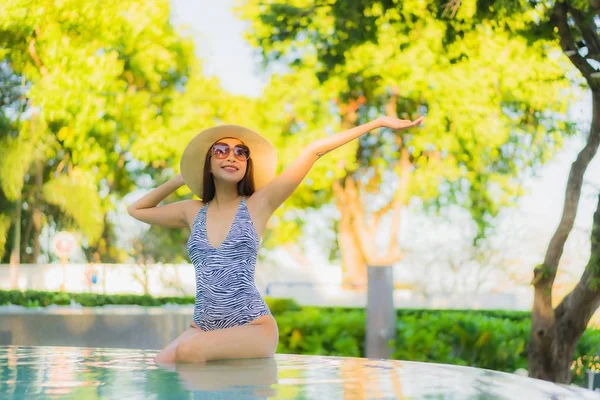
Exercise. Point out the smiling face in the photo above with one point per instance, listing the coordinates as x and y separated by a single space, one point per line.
227 164
224 164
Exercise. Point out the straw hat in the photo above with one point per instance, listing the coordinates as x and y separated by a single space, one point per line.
262 153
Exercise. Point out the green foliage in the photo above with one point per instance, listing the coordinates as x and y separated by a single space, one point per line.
11 160
35 298
465 339
489 339
4 226
494 102
102 86
15 157
574 24
313 331
114 94
279 306
38 298
82 203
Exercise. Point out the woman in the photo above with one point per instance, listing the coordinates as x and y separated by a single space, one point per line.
232 169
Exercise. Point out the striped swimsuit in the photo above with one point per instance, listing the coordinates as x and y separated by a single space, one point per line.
226 295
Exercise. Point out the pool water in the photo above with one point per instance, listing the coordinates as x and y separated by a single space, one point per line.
50 372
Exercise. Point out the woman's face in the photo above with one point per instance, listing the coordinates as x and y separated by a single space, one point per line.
230 168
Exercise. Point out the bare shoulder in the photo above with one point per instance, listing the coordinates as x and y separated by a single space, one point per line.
191 208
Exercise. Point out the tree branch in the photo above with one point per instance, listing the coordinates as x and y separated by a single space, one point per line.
577 308
567 43
595 5
545 275
353 262
587 27
34 56
451 8
363 232
400 200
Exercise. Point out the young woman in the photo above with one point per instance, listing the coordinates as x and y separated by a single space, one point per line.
232 169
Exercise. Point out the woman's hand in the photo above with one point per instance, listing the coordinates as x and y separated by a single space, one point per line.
395 123
179 179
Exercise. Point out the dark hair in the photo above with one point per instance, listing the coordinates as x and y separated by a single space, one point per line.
245 187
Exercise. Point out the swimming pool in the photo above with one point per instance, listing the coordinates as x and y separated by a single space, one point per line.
48 372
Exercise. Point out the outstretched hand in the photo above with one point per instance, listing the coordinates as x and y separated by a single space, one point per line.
280 188
396 123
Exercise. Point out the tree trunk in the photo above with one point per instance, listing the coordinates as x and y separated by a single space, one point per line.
554 334
549 357
354 266
26 236
37 212
15 255
551 351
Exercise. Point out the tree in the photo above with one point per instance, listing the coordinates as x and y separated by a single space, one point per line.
100 85
575 26
11 109
418 40
494 106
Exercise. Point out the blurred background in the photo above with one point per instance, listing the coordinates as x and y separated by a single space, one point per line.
98 102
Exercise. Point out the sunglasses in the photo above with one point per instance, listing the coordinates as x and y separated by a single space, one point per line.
222 150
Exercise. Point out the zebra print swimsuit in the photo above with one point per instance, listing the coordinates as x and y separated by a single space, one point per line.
226 295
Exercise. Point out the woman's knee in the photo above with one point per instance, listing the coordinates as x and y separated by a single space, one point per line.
271 348
188 352
165 356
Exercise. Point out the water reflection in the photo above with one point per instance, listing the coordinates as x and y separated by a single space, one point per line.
252 378
88 373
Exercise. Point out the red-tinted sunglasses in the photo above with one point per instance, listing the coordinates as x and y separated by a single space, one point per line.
221 151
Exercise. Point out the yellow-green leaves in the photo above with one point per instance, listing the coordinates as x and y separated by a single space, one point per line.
494 101
102 84
4 225
77 196
15 156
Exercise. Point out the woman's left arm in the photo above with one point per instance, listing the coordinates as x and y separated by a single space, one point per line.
279 189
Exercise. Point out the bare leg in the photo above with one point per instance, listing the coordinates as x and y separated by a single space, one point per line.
256 340
167 355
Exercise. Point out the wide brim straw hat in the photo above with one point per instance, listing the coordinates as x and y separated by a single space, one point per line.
262 153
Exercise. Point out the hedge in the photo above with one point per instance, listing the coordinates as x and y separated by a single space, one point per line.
35 298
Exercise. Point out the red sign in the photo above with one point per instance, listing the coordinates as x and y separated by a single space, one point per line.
63 244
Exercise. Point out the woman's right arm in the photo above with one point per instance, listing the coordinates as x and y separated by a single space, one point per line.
173 215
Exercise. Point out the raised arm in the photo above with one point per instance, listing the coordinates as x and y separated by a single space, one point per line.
280 188
173 215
